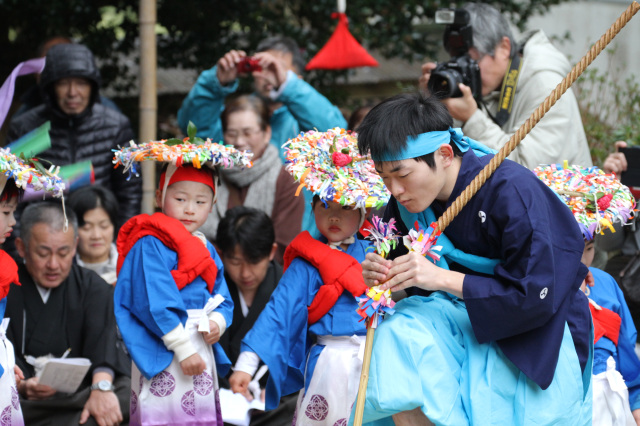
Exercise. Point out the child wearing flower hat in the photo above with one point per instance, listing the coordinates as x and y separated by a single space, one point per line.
597 201
172 304
309 334
10 373
16 176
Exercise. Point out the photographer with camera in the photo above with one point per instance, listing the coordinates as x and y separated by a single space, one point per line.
276 70
492 85
294 105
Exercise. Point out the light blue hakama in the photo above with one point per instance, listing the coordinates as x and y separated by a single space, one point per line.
437 364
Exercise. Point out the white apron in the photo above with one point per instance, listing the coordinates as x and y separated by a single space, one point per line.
611 398
170 397
10 412
334 385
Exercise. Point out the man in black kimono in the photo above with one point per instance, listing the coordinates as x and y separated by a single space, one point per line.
246 241
62 306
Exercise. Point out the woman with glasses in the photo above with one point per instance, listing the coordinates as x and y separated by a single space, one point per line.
266 186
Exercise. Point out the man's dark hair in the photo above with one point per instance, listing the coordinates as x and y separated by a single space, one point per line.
248 228
11 190
286 45
91 197
387 126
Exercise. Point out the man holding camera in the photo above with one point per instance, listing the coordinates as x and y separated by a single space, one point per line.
276 70
513 81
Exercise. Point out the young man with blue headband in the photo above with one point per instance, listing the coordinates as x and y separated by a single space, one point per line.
505 336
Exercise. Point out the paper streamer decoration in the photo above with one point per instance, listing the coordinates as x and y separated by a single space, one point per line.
376 302
30 175
329 165
207 153
596 199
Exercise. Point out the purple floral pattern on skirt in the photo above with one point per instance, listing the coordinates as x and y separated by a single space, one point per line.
218 409
163 384
5 417
203 383
15 399
341 422
133 403
188 403
318 408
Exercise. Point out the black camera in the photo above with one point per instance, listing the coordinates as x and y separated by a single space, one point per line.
458 39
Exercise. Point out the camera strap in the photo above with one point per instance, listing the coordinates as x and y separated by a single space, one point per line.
508 91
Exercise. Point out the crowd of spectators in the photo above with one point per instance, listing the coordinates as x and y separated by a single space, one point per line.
65 301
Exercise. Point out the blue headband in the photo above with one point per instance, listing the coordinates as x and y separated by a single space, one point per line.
427 143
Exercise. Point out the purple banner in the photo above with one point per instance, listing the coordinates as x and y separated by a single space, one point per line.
6 91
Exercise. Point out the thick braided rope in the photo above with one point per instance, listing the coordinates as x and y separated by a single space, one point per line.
536 116
485 173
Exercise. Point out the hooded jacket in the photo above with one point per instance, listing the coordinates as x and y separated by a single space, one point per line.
559 135
90 135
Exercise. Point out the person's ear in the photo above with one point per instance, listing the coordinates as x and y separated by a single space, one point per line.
274 249
267 133
446 153
503 49
20 246
75 246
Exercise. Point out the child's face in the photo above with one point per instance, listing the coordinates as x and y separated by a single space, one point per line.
189 202
588 253
336 222
7 219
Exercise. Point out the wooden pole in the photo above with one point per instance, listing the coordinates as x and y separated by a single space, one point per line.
364 376
148 105
488 170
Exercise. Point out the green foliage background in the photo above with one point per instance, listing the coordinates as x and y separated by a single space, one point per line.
610 108
200 31
196 33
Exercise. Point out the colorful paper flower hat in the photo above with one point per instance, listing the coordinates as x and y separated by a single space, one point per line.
29 174
329 165
190 150
596 199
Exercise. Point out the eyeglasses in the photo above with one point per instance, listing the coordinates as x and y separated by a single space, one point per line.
234 135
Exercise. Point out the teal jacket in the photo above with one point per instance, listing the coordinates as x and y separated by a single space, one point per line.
304 108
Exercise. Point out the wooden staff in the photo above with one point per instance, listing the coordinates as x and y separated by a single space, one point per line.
475 185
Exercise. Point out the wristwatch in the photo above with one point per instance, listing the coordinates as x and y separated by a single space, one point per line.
103 385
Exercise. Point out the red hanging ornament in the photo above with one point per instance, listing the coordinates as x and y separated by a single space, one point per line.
342 51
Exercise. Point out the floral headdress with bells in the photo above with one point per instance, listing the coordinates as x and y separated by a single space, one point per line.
596 199
328 164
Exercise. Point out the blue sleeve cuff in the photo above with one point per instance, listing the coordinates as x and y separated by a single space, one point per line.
210 79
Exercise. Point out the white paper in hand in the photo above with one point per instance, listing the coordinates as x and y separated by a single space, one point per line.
64 374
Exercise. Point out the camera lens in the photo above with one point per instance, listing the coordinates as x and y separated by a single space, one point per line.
443 83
